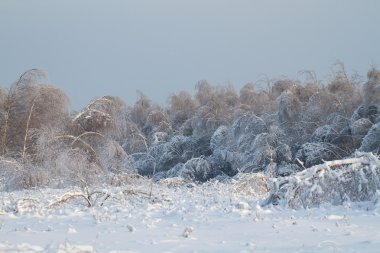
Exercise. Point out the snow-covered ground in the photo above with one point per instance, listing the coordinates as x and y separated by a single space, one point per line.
177 216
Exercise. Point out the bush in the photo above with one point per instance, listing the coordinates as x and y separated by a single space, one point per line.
371 88
182 107
30 106
324 133
371 142
106 116
355 181
197 169
316 153
289 108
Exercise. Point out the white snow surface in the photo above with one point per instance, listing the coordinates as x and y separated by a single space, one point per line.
173 215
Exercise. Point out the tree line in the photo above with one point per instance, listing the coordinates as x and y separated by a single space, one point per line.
279 126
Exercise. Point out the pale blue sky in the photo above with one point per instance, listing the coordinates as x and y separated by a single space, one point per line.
92 48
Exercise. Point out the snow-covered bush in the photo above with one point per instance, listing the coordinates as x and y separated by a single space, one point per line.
113 158
356 179
314 153
182 107
371 142
105 115
140 111
287 169
197 169
59 168
225 162
371 88
284 153
372 112
144 164
257 101
179 150
26 176
289 108
245 129
31 104
134 140
337 121
316 111
359 129
158 137
219 138
324 133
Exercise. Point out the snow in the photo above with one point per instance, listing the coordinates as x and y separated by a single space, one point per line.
175 215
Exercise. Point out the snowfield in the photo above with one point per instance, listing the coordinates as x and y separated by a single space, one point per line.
290 167
175 215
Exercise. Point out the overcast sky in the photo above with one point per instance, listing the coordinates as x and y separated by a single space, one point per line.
92 48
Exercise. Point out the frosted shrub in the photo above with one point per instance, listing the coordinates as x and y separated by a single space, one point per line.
31 105
197 169
318 108
371 142
287 169
105 115
157 138
71 167
337 121
144 163
17 176
178 150
357 179
182 107
324 133
284 153
113 158
134 140
315 153
30 177
245 129
371 88
359 129
371 112
219 138
289 108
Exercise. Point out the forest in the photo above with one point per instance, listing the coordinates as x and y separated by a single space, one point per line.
278 126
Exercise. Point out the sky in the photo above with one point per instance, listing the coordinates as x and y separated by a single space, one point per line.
92 48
